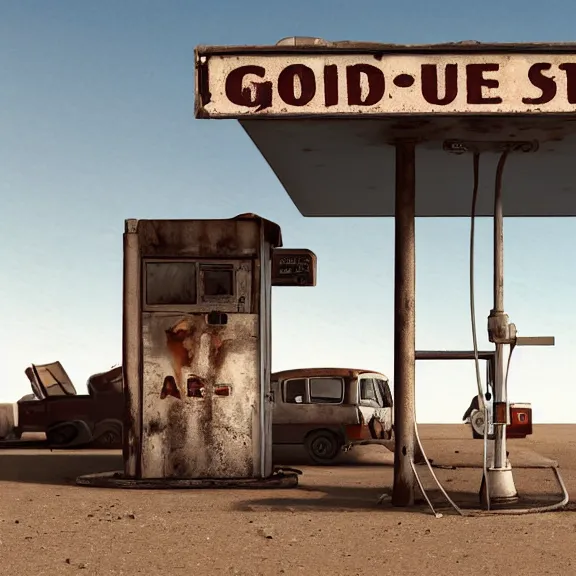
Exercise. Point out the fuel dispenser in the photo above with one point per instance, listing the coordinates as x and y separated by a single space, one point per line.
197 351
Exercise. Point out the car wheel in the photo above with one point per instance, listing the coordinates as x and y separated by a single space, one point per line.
61 435
110 438
323 446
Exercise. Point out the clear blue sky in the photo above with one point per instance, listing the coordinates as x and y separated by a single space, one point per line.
97 125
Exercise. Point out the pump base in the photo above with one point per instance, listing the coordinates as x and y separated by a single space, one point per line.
502 489
281 479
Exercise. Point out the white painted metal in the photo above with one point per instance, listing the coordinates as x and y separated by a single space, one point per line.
383 415
333 157
512 79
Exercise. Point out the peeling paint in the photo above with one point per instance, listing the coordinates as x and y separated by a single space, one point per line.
201 433
337 82
198 395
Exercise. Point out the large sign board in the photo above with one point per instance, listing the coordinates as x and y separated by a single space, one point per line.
238 85
293 267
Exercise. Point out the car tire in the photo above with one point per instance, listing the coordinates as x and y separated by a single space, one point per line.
61 435
323 446
111 437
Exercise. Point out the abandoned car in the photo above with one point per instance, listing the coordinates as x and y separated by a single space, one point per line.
68 419
323 409
327 409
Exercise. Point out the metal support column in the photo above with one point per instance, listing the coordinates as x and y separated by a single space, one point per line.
404 324
501 486
500 393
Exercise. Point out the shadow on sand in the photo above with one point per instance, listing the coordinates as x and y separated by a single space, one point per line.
57 468
60 467
359 456
347 498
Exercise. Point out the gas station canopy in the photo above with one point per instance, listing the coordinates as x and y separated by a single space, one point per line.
326 116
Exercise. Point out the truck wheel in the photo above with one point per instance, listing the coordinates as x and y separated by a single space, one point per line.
60 435
111 437
323 446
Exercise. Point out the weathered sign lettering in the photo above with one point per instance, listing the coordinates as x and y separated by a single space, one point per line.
295 267
400 84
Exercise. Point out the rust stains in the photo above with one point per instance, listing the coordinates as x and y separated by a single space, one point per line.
196 430
177 432
227 244
319 372
222 390
186 342
180 343
203 83
155 427
216 359
225 238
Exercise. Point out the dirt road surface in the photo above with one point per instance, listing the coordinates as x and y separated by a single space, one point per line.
330 525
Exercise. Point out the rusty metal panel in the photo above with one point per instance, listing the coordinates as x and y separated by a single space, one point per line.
344 81
189 430
319 372
267 246
293 267
239 299
454 355
322 46
197 349
232 238
341 414
131 352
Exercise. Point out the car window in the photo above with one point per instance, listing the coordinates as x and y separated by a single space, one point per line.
326 390
368 390
385 393
295 391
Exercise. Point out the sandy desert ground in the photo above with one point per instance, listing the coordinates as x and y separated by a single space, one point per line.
330 525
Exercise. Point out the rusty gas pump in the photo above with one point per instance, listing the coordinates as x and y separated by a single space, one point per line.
197 352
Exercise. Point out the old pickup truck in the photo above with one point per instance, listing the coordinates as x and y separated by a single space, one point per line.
68 419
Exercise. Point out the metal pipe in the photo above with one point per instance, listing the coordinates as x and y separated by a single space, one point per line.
499 457
500 395
131 352
404 324
265 359
499 239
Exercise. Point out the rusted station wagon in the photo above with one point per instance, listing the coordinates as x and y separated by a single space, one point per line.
326 409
